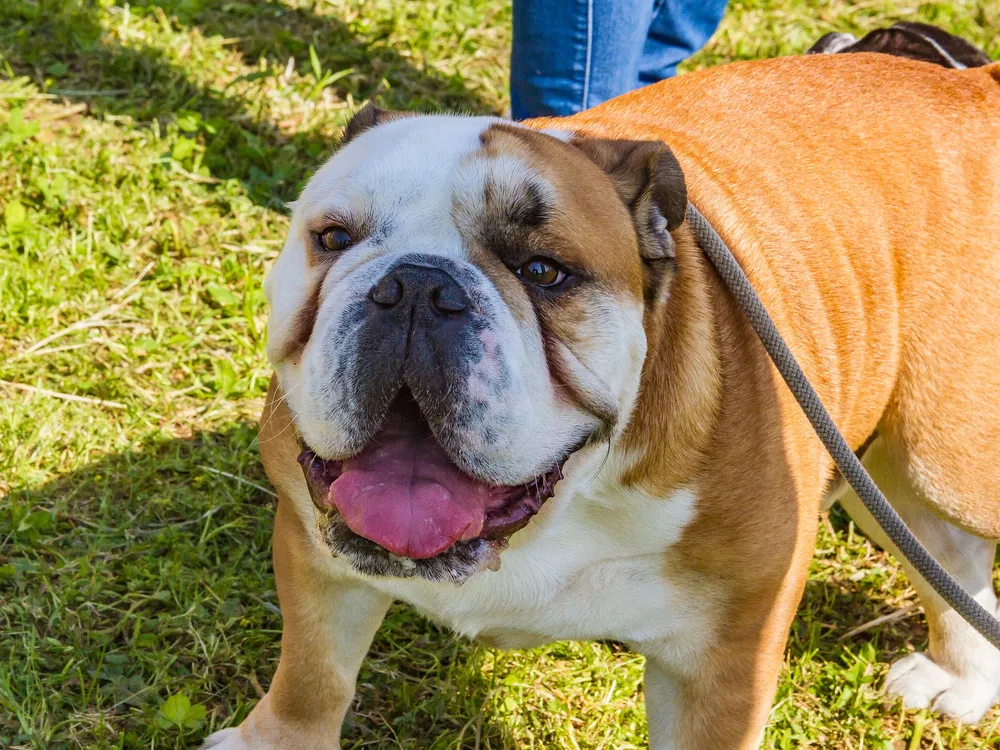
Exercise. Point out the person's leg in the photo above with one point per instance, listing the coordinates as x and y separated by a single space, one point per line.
679 29
569 55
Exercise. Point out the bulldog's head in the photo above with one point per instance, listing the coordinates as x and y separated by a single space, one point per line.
459 308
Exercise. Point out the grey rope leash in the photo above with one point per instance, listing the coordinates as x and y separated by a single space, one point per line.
930 569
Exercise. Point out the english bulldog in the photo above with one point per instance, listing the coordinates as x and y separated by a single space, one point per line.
510 390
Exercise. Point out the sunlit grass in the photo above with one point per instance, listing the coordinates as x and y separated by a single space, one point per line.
146 153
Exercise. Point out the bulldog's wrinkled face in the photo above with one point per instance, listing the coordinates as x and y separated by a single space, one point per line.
457 309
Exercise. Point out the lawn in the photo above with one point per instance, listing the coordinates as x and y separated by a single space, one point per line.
146 154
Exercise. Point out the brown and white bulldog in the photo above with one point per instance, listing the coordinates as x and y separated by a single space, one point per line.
511 391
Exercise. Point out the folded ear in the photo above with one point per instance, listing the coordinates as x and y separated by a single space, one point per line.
366 118
649 180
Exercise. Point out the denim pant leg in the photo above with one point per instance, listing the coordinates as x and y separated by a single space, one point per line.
679 29
569 55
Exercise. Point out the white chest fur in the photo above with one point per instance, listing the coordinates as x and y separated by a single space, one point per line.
591 565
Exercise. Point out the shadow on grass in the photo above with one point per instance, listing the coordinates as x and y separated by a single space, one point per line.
838 605
42 38
147 574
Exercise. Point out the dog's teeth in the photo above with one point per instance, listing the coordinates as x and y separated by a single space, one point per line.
492 560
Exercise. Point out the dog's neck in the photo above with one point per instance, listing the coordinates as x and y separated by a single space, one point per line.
681 389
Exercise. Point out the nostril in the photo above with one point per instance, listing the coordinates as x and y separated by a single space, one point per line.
387 292
448 299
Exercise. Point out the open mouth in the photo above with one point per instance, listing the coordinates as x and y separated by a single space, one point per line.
402 507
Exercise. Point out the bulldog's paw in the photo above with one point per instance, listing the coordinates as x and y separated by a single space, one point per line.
921 683
272 737
226 739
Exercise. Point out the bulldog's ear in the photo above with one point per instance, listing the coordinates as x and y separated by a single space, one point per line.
368 117
649 180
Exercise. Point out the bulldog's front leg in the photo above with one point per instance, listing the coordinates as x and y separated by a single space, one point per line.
715 690
328 625
723 706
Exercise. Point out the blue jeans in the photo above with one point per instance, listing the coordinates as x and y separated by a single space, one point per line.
569 55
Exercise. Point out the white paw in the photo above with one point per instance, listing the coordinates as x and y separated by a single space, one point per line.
226 739
917 680
921 683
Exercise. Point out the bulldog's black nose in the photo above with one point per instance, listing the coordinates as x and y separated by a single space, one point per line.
409 287
419 327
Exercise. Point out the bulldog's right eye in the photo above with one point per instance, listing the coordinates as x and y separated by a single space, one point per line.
541 272
335 238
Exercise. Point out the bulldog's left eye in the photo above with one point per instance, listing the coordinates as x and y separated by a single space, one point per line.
334 238
541 272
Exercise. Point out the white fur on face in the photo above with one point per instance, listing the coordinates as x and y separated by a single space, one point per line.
410 182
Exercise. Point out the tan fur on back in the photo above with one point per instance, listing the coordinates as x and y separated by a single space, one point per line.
861 194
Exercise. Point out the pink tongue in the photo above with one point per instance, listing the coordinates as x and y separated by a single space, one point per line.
405 494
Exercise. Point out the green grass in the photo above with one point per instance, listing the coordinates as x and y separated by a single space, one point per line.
146 152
